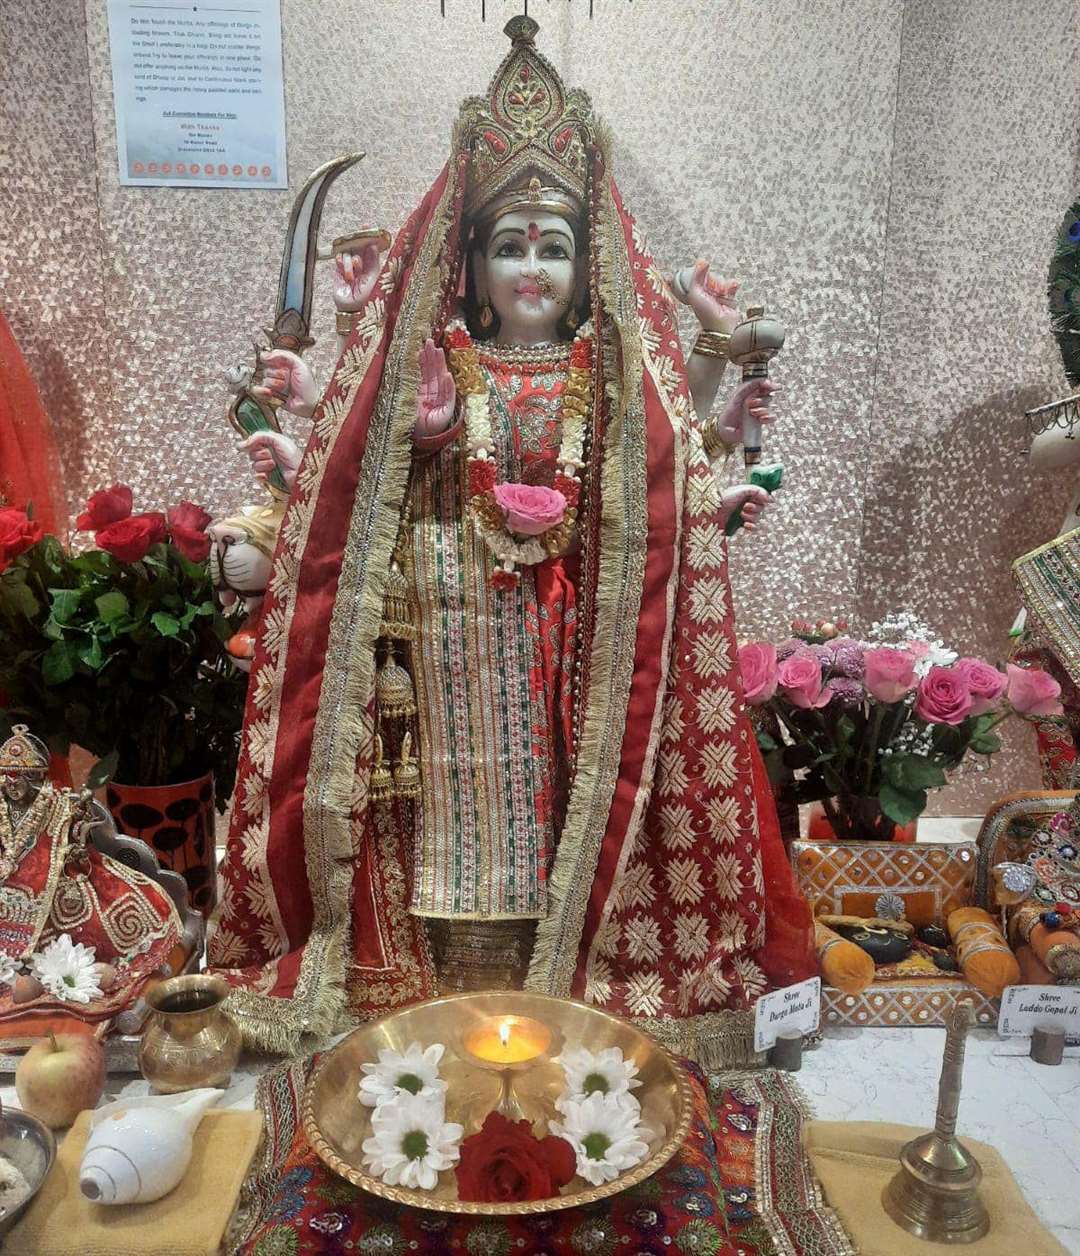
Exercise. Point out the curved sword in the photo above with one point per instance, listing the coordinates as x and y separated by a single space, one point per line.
298 257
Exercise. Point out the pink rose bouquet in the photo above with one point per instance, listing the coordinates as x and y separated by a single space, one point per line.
530 508
869 727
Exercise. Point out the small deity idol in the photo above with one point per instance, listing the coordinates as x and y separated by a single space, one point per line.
55 885
495 730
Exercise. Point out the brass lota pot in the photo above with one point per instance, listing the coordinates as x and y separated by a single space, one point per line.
189 1040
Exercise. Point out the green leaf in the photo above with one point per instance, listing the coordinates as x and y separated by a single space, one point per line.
58 663
19 598
65 604
901 806
918 773
111 606
102 771
986 743
167 625
91 653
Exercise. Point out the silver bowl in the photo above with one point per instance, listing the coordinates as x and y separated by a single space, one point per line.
31 1147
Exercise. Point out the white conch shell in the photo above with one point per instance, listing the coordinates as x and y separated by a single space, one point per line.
139 1149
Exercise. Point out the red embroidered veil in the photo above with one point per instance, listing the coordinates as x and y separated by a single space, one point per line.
671 900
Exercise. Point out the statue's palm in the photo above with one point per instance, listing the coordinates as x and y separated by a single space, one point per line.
437 394
356 275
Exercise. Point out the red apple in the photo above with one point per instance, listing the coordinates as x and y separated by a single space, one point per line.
59 1077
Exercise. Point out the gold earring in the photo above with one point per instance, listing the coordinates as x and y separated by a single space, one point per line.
486 316
572 319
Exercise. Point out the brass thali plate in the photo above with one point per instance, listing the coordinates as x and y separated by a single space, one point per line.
336 1123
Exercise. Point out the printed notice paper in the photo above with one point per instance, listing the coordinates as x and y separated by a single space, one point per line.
795 1007
198 93
1026 1008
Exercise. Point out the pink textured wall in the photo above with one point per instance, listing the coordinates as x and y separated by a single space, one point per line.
887 174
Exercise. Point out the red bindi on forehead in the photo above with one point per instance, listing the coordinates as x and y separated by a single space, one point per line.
534 231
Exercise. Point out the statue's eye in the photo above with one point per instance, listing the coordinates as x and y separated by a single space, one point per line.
509 248
556 251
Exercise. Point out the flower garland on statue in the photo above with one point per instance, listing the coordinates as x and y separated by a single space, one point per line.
522 524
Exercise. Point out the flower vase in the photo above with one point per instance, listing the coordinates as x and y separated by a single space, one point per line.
177 823
858 818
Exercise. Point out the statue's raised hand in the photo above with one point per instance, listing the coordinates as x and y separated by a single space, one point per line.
284 377
437 395
356 275
750 498
749 401
269 449
712 299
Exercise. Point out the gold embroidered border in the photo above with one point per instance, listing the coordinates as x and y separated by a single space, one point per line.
715 1040
349 670
267 1022
1058 622
671 595
623 541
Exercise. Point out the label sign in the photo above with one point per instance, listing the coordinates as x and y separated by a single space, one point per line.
1025 1008
793 1008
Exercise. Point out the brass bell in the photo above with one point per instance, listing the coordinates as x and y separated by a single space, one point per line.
407 772
394 689
935 1194
381 785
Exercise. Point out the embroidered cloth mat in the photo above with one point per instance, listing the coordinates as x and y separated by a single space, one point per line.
740 1186
855 1161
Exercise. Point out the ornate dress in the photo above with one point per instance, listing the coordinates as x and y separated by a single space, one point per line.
585 759
493 669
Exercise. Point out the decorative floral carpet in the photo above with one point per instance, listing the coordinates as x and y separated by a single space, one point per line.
740 1186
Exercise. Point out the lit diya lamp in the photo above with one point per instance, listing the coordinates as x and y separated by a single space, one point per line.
509 1045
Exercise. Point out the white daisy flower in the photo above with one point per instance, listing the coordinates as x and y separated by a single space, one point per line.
66 970
8 971
411 1143
599 1072
413 1071
607 1136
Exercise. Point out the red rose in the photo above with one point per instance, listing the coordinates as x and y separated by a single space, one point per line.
504 1163
129 539
106 506
187 526
17 533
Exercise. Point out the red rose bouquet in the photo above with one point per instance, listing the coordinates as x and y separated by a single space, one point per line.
120 648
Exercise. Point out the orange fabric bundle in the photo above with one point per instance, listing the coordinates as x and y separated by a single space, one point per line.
1058 950
982 951
1033 972
843 964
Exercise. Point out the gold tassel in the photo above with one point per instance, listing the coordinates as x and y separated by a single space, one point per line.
381 787
407 773
394 689
397 621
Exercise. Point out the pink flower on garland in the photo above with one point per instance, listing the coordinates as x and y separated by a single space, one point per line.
530 508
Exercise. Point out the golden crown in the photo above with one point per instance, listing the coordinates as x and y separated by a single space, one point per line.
528 130
23 752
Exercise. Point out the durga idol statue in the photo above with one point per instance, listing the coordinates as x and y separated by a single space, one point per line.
494 729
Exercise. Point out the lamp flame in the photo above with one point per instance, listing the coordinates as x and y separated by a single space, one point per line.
504 1033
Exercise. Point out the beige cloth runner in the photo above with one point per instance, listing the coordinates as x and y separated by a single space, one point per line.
853 1161
189 1221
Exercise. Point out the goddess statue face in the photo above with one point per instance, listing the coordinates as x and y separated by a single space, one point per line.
19 786
528 273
